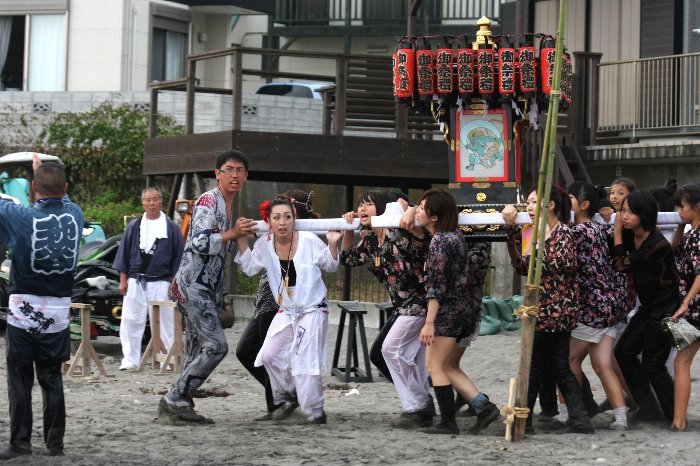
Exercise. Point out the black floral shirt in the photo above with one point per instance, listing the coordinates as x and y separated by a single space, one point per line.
264 301
479 262
449 282
558 295
688 256
401 267
601 305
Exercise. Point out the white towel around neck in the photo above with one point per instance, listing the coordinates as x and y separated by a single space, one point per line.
151 230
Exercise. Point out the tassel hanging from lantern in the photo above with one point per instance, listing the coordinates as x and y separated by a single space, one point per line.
443 66
486 69
465 68
425 68
506 71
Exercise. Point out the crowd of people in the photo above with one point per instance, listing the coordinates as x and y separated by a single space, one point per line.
604 291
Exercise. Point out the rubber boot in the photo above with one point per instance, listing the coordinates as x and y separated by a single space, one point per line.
446 402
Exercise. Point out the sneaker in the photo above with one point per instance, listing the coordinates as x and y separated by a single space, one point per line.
177 415
128 367
12 452
284 411
485 418
314 420
584 427
618 426
265 417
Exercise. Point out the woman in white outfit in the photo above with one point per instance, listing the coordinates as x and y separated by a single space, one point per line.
295 349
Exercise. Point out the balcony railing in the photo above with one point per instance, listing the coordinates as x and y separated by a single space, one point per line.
335 12
651 96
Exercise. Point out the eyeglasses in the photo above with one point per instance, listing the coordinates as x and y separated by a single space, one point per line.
231 171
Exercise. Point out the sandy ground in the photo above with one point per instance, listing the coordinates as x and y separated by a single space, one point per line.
112 421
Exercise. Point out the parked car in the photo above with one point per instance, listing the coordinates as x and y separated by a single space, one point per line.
293 89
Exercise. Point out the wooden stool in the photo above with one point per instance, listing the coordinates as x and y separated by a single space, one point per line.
355 312
79 363
385 311
160 358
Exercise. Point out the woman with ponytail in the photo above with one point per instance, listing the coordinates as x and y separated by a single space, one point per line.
558 303
601 305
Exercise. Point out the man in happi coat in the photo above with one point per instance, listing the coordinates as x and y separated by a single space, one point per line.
44 241
199 283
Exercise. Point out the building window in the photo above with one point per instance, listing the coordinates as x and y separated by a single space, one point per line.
35 61
168 55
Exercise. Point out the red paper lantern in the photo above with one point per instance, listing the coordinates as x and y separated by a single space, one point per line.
425 69
506 71
486 70
527 65
547 59
406 71
395 72
465 68
443 68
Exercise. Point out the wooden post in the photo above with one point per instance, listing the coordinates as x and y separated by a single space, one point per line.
237 90
594 97
347 272
538 238
401 124
174 193
153 114
527 335
412 12
187 186
79 363
199 184
189 113
155 351
341 94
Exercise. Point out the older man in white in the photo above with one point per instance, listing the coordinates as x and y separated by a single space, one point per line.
147 260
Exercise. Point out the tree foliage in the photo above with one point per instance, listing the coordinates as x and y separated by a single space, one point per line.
103 150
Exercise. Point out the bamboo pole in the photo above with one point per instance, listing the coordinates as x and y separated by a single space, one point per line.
530 297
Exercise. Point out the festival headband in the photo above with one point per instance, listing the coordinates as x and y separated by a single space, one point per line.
263 211
306 204
561 190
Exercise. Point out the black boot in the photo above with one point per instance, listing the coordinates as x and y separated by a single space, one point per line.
579 422
446 401
588 400
460 402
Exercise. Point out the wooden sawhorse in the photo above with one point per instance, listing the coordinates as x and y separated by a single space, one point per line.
79 363
160 358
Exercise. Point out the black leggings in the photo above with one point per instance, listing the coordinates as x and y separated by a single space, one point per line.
644 335
20 380
375 354
248 348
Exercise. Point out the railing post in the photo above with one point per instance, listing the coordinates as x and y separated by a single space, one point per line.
189 114
341 93
594 96
153 114
577 109
635 102
327 102
347 275
237 92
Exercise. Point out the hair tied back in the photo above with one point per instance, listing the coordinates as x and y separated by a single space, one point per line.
670 186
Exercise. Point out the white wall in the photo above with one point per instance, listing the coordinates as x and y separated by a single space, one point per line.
95 45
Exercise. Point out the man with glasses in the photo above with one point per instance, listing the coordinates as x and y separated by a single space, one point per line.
198 286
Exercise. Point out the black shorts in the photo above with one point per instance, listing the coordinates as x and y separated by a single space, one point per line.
47 348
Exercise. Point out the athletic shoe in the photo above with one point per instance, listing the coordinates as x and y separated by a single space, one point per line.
285 410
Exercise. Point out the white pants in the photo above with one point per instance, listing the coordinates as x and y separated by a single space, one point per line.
405 358
133 321
295 364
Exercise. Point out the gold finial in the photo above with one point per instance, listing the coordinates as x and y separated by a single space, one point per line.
484 24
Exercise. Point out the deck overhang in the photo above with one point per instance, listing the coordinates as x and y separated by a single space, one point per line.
305 158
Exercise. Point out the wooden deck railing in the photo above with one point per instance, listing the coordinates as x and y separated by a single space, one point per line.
361 98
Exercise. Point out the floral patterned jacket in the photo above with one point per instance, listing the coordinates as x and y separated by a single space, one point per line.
688 256
449 281
401 267
558 296
601 304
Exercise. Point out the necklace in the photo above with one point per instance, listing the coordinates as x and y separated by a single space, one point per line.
284 272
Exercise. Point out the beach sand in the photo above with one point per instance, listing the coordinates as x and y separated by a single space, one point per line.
112 421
